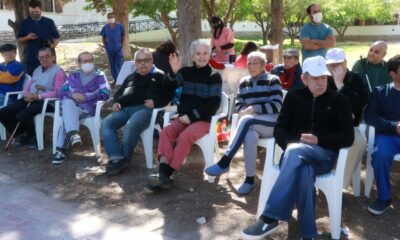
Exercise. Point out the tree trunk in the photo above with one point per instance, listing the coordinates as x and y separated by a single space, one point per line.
21 12
173 32
277 26
120 8
189 25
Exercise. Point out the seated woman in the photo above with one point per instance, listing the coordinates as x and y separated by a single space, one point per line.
258 102
200 100
79 95
241 60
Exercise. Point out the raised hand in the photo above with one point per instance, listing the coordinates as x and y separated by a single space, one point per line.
175 62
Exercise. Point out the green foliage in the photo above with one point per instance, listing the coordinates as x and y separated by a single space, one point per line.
153 8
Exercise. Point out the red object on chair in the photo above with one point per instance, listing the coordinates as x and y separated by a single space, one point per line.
215 64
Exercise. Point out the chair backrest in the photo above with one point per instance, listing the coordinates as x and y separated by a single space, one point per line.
224 107
26 80
127 68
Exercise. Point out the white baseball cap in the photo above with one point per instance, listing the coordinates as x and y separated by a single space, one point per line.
316 66
335 55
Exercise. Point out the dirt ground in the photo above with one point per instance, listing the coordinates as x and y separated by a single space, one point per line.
124 199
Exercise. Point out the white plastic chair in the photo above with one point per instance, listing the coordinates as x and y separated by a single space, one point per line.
126 69
92 123
207 142
369 178
330 184
147 136
5 103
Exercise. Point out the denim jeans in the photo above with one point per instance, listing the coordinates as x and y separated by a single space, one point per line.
135 119
301 164
386 147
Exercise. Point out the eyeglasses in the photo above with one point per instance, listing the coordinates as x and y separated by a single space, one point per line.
45 57
143 61
87 61
253 63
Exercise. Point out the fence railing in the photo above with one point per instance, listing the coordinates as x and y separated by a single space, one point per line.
73 31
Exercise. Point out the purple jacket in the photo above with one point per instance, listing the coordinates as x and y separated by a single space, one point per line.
95 90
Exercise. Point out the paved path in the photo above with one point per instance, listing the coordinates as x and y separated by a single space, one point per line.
26 213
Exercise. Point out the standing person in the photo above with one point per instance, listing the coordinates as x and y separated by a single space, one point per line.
132 108
383 112
316 37
354 88
200 100
79 96
373 69
222 40
46 82
258 102
314 123
11 71
290 71
36 32
113 34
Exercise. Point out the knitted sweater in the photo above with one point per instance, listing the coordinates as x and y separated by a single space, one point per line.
263 93
201 92
95 90
383 111
327 116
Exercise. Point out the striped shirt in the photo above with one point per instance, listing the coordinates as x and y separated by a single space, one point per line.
263 93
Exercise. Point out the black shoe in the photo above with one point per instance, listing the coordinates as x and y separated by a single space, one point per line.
159 181
258 230
379 207
23 140
59 158
117 166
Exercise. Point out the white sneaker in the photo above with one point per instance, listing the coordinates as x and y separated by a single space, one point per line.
75 140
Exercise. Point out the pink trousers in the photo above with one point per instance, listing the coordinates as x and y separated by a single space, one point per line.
184 136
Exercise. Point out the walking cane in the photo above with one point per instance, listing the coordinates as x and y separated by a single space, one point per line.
38 88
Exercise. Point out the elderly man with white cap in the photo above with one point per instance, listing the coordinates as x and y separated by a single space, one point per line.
314 123
355 89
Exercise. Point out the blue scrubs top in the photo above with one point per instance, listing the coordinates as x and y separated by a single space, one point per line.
113 36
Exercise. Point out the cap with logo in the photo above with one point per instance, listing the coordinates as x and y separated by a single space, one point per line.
316 66
335 55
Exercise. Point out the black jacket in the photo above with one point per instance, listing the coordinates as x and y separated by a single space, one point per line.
327 116
137 88
356 91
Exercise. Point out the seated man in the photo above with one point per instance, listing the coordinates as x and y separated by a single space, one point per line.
46 81
79 95
11 72
373 69
258 102
133 103
290 71
355 89
383 112
314 123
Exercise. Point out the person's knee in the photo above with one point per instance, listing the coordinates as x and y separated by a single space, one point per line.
381 158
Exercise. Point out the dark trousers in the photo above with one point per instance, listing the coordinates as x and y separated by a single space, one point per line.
19 112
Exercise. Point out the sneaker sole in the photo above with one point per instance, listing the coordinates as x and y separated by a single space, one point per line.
375 212
57 162
252 237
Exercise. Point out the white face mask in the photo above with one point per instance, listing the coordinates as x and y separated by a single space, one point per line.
111 20
317 18
87 67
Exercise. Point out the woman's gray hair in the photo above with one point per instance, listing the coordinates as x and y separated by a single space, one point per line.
143 51
199 42
259 55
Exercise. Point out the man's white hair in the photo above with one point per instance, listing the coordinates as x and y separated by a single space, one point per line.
259 55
